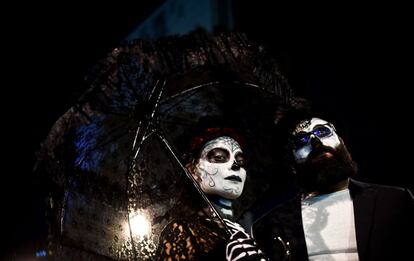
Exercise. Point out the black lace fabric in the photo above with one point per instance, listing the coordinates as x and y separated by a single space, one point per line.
192 239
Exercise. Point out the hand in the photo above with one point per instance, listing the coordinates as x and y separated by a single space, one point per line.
241 246
233 226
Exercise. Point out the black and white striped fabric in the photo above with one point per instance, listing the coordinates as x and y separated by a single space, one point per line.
241 246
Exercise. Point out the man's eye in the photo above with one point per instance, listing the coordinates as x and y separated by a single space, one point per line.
322 131
301 139
218 155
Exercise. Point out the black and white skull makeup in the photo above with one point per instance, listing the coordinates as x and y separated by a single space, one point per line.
221 168
307 130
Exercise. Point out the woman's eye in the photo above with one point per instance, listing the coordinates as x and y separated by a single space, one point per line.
218 155
240 159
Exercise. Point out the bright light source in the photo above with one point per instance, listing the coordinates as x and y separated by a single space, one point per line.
140 226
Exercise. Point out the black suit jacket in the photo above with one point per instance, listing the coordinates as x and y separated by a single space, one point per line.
384 225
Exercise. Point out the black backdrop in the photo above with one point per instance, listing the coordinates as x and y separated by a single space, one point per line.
353 61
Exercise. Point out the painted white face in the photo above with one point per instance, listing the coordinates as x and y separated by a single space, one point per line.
221 168
307 130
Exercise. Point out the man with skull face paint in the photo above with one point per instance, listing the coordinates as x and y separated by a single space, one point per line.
334 217
218 165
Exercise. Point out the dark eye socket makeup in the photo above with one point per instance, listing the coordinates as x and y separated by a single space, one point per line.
303 138
218 155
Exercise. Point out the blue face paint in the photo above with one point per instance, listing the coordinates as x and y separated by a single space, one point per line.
315 128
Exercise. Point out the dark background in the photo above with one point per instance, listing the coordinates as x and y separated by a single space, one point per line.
354 62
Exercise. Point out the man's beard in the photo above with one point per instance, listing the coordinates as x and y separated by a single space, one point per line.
320 172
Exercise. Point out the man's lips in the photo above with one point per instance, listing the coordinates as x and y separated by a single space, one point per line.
233 178
320 155
325 154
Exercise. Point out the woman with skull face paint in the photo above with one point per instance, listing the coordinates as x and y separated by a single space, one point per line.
217 163
221 172
334 217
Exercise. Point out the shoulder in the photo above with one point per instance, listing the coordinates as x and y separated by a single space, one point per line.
382 192
359 185
191 239
190 225
174 227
